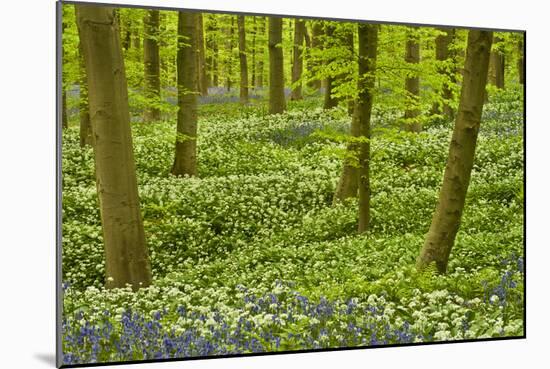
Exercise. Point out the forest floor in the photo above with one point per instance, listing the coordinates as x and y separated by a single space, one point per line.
252 255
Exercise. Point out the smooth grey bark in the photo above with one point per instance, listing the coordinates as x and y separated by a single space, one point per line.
126 254
456 179
297 59
412 84
445 55
368 45
277 103
151 61
185 161
243 91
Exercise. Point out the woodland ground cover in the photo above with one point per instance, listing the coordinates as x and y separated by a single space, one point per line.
253 256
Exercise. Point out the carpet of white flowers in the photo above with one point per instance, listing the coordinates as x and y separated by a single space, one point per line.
252 256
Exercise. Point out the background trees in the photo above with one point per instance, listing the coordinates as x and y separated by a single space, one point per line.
172 59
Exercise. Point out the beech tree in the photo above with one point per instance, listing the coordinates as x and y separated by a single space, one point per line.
201 57
297 59
260 32
64 118
521 68
151 61
277 102
446 218
496 65
84 112
368 46
243 94
330 101
126 254
316 44
412 83
445 56
185 161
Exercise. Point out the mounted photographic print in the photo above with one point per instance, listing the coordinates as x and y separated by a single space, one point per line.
236 184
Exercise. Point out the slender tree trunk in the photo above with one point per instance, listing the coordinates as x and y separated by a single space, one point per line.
209 52
136 39
151 58
64 119
316 44
215 64
261 56
496 67
84 112
297 61
229 61
127 42
368 45
243 94
253 74
412 85
330 101
446 219
446 57
349 179
185 162
521 53
350 46
126 255
203 84
277 102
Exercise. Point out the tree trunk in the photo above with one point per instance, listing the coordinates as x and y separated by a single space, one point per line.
84 112
215 64
203 84
261 56
277 102
253 74
127 42
243 94
64 119
126 256
496 66
185 162
412 85
521 53
446 58
368 44
297 61
209 53
349 179
151 58
330 101
316 44
446 218
348 38
229 61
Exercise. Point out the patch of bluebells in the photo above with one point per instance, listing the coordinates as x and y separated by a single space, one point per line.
499 294
280 320
298 323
